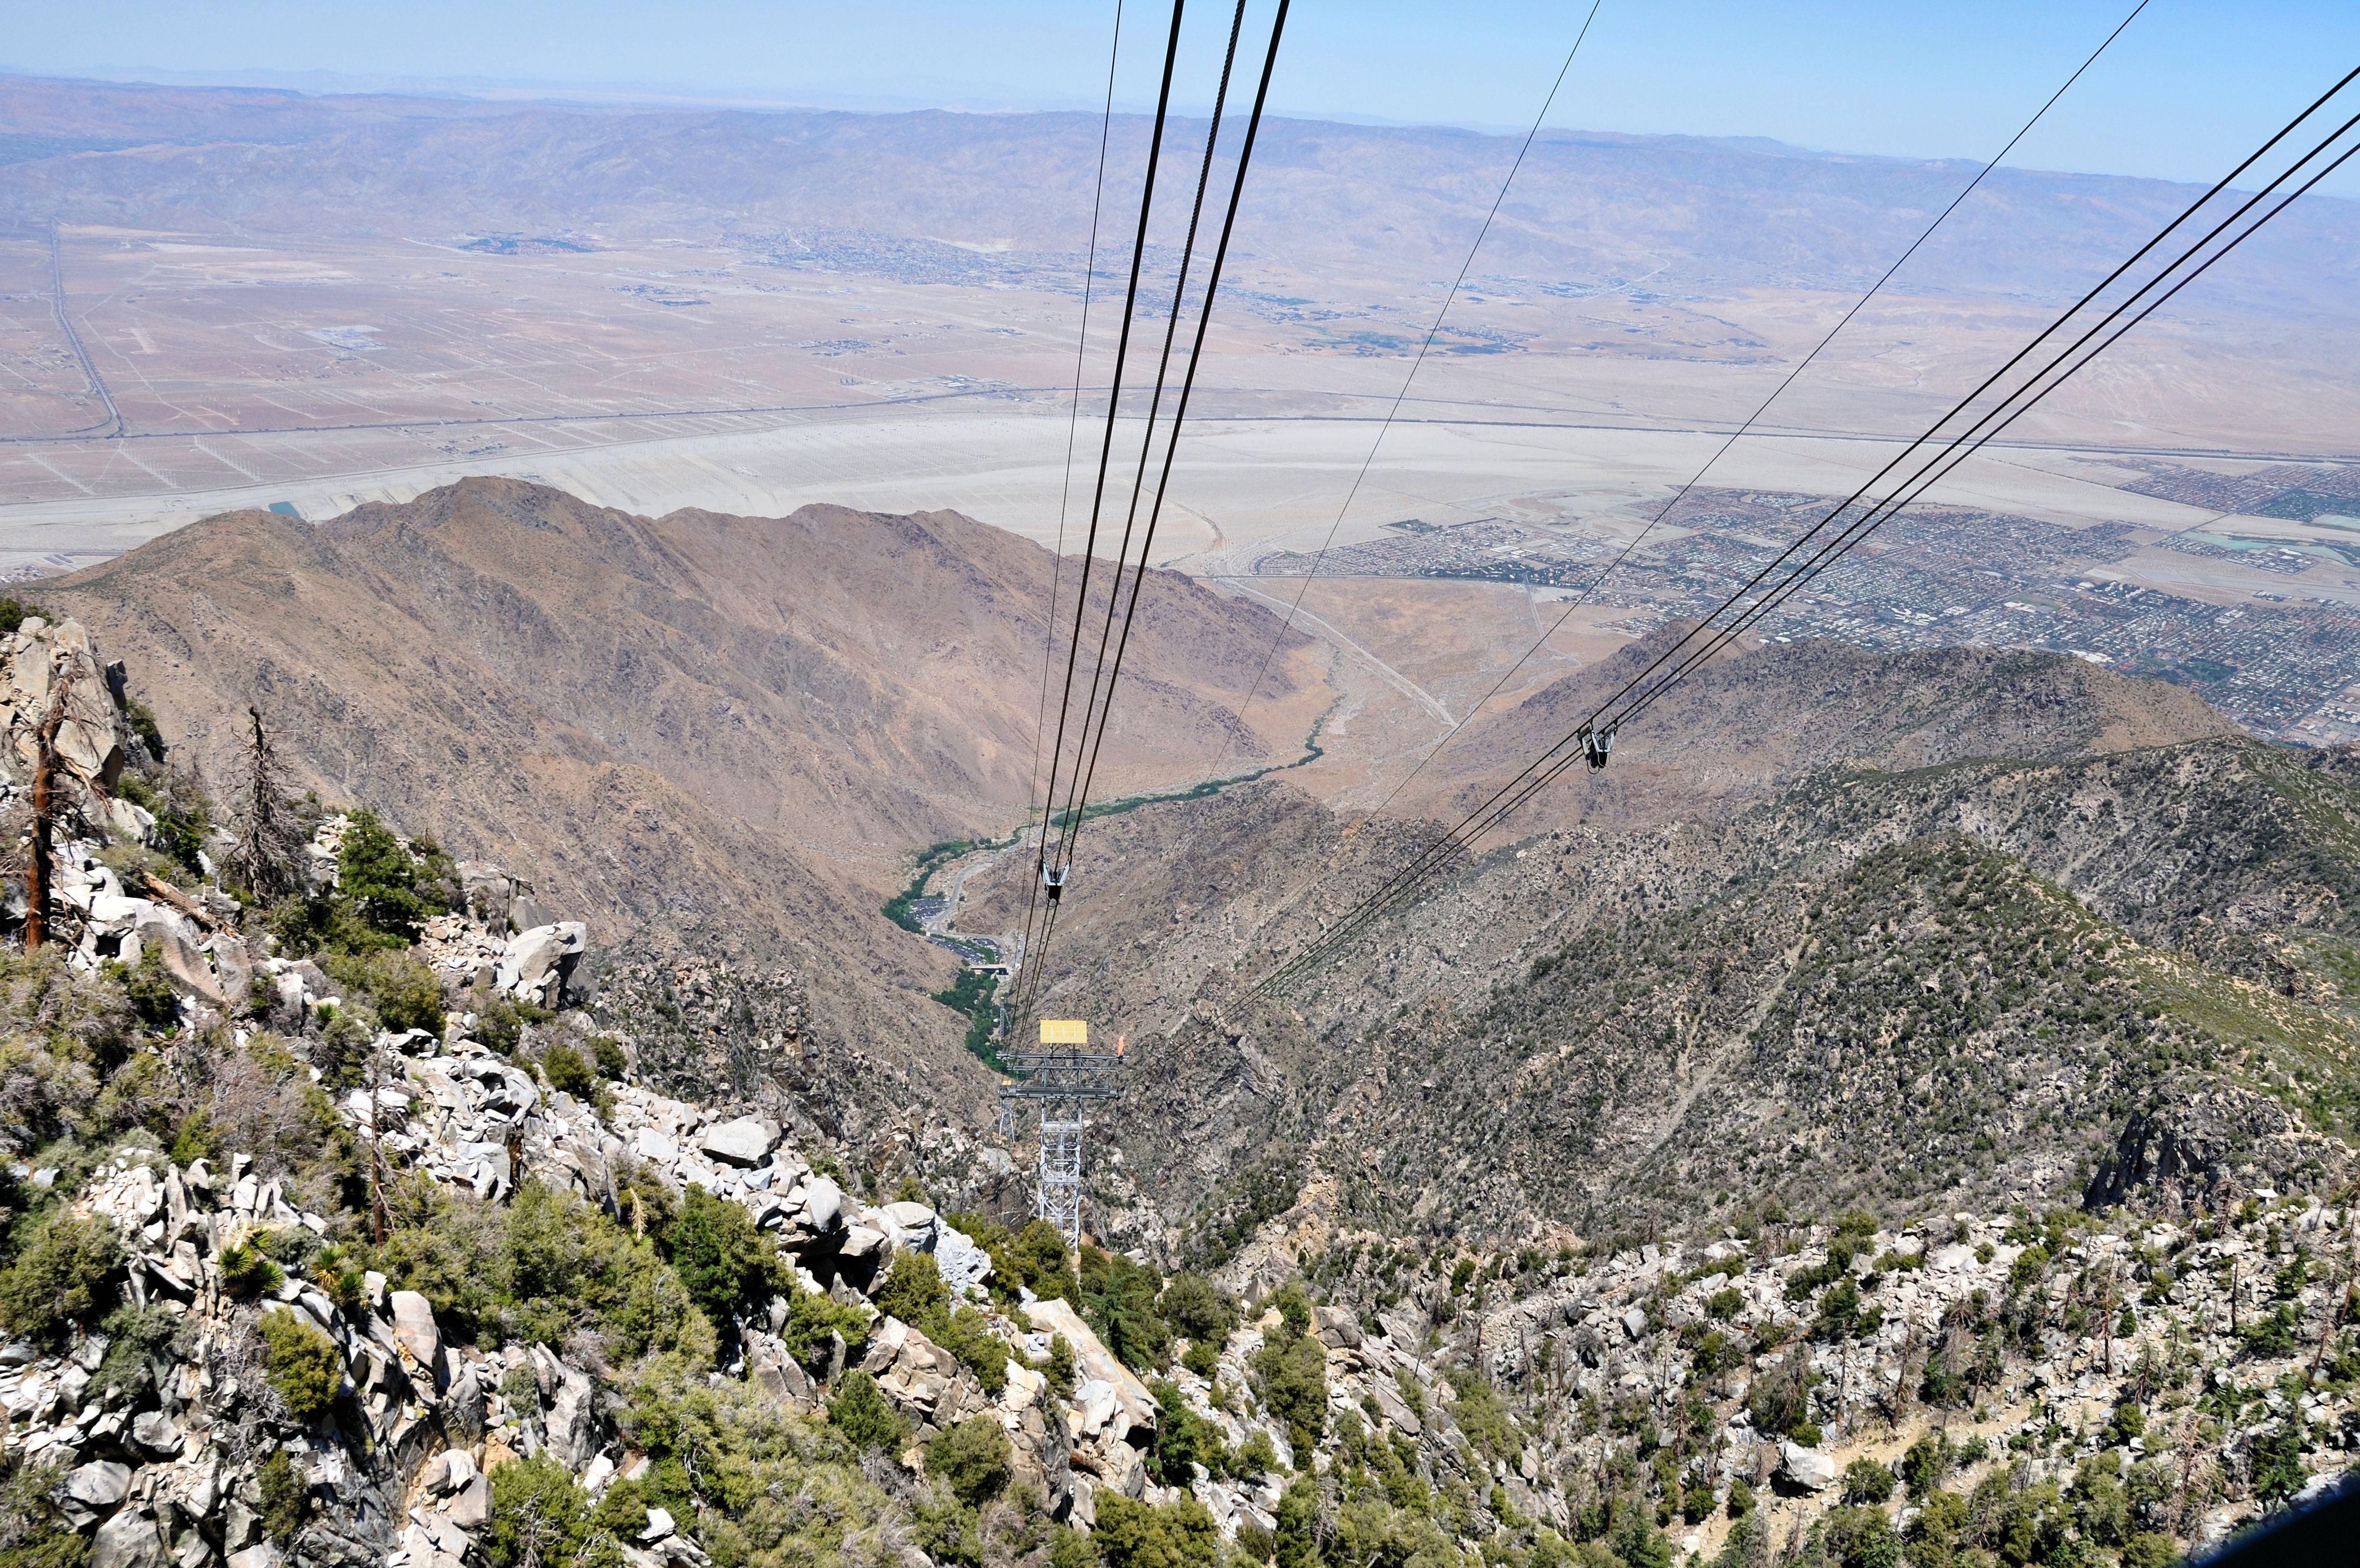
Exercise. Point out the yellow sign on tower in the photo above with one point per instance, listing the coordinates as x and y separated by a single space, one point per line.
1064 1032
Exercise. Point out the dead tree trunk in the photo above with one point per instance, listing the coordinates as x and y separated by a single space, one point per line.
45 767
268 838
376 1156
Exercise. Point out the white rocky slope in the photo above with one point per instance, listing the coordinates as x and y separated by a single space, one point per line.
2224 1335
179 1482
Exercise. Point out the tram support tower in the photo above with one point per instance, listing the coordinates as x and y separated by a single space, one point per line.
1063 1075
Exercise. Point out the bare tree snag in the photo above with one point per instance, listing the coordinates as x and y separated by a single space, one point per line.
45 766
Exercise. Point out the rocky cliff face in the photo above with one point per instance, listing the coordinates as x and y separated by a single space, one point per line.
163 1442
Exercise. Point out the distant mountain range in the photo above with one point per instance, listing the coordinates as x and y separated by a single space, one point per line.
1667 214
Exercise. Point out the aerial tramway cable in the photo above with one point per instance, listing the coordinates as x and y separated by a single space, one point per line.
1603 721
1526 784
1916 485
1086 764
1106 448
1091 707
1114 395
1740 432
1073 432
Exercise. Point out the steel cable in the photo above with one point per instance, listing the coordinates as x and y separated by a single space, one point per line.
1064 497
1079 802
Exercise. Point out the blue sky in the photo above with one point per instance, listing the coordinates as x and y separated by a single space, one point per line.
2189 89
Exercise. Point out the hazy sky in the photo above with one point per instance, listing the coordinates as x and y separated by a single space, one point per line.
2185 92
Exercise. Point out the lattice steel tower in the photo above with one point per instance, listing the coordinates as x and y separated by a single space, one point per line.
1063 1075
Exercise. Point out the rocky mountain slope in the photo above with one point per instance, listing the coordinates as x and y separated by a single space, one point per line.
846 683
1954 985
1933 1141
650 720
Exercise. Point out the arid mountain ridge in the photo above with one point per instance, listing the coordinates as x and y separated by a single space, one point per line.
754 721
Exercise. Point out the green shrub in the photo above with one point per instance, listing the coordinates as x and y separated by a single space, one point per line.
972 1459
1143 1535
538 1513
184 818
2271 1335
1291 1370
499 1022
1033 1258
537 1269
1866 1481
66 1274
649 1207
567 1072
2277 1461
1196 1310
912 1291
13 612
1183 1439
1482 1416
617 1517
1043 1263
1118 1299
1298 1518
379 878
285 1501
33 1532
813 1316
403 991
1741 1499
607 1051
136 1338
1058 1369
1863 1538
723 1257
304 1366
865 1418
1294 1307
967 1335
142 719
146 987
1780 1399
196 1138
1925 1462
657 1316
